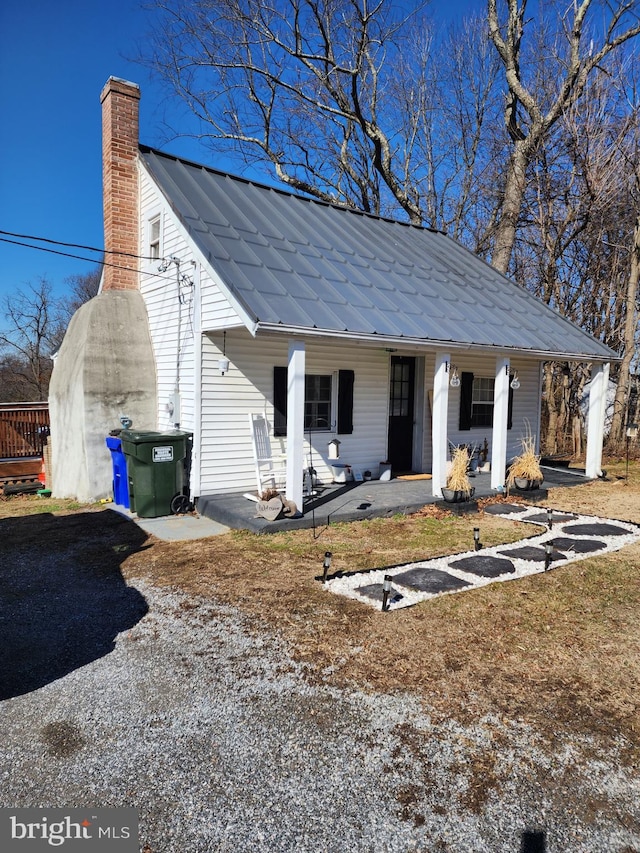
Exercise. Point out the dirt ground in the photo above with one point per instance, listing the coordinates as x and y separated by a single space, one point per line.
559 651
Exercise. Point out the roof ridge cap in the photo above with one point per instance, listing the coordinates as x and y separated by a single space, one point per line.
282 190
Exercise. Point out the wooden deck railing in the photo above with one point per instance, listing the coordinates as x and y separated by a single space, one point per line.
24 428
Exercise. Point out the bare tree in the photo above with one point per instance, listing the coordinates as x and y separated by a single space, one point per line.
82 287
349 101
574 232
34 329
301 84
568 56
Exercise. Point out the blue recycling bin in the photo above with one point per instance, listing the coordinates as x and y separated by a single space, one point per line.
120 479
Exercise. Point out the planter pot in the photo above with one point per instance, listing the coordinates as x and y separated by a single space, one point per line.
524 484
457 495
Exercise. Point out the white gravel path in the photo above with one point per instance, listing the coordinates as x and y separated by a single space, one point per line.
350 585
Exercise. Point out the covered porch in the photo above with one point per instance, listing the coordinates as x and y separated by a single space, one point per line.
438 388
355 501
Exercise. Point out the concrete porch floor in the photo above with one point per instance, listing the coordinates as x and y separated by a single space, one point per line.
370 499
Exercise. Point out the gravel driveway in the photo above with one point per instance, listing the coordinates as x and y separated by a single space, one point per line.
183 710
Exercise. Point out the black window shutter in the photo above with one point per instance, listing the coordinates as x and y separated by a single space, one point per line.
510 409
280 400
466 396
345 401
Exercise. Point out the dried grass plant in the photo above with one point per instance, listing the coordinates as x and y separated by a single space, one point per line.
526 464
457 478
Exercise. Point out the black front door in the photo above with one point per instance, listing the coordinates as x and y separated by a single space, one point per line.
401 405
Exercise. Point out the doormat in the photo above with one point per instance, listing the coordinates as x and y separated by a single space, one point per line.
414 477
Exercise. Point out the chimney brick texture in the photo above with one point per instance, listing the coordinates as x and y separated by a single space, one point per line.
120 102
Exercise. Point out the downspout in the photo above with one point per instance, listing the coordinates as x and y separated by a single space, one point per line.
196 476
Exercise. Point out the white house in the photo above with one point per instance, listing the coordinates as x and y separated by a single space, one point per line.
227 298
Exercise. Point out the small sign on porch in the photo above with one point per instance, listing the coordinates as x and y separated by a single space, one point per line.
270 509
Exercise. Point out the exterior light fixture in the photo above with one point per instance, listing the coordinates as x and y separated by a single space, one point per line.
223 363
386 589
515 382
548 552
455 379
326 565
550 518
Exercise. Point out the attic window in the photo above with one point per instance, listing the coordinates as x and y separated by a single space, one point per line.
154 238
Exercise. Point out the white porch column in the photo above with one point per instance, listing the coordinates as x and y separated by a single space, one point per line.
439 424
295 422
500 417
595 418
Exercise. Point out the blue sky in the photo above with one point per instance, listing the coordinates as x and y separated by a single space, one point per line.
55 57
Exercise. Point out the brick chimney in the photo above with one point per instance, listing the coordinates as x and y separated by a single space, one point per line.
120 101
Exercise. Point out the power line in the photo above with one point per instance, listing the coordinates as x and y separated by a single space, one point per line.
81 258
73 246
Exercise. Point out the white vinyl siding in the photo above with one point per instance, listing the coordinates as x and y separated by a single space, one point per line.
227 458
526 402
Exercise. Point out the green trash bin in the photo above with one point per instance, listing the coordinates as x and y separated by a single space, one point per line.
155 469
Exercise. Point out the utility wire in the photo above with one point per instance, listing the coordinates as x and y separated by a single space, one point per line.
73 246
89 260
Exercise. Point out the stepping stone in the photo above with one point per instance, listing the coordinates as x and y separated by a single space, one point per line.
430 580
503 509
596 529
375 591
530 552
485 566
556 518
578 546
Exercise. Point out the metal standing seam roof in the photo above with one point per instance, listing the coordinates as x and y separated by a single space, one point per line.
298 264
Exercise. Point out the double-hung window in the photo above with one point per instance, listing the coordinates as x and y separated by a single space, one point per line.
154 238
317 402
328 401
482 401
476 401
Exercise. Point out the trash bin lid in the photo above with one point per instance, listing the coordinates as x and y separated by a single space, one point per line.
142 436
113 442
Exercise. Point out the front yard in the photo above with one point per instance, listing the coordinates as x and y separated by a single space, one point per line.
560 650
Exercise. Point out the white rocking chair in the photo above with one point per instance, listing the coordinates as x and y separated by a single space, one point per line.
271 473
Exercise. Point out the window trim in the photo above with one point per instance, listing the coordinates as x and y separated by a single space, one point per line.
323 402
477 403
466 402
342 391
152 219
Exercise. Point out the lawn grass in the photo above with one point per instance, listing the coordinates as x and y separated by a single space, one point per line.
558 650
17 506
